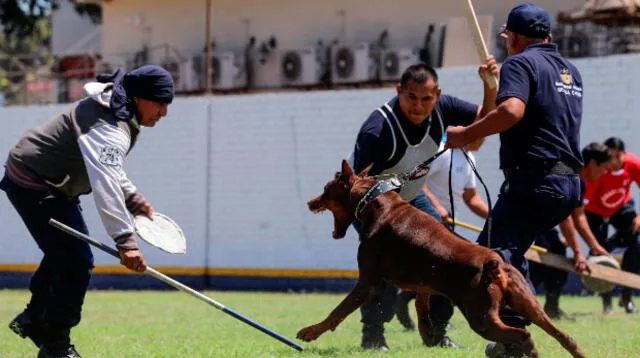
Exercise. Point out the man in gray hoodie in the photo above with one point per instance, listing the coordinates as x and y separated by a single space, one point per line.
78 152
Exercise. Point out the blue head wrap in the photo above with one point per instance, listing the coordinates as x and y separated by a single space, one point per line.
149 82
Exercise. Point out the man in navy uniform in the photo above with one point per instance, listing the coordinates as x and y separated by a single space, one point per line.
538 116
396 137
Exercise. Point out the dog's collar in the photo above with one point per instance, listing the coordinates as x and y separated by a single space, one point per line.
381 187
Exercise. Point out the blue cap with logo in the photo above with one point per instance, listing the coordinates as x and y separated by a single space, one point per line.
529 20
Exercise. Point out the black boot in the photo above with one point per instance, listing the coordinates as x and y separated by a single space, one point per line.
552 307
437 335
402 309
57 344
607 307
373 337
26 327
627 302
446 342
61 352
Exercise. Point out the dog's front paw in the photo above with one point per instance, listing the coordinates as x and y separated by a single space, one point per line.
310 333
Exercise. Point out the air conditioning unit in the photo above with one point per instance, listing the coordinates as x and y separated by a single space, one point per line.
183 74
394 61
197 69
352 64
300 67
173 67
227 71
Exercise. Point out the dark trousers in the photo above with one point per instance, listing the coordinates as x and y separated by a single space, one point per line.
381 308
60 282
622 221
552 279
528 205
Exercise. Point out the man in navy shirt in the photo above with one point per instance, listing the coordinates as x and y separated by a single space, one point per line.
538 116
396 137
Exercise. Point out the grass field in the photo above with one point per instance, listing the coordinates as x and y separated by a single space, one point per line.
173 324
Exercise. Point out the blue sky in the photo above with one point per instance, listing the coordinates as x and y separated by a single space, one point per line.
24 5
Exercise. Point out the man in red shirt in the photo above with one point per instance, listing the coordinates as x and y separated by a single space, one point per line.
608 201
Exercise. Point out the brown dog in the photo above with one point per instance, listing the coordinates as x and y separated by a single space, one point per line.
411 250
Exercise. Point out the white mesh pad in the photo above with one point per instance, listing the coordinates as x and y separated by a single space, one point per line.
161 232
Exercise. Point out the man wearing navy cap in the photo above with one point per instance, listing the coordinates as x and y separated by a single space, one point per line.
538 116
77 152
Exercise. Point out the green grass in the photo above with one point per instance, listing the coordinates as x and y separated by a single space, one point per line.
174 324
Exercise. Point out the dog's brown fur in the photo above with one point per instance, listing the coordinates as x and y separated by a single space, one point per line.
411 250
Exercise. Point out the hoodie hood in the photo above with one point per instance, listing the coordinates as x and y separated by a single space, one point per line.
100 92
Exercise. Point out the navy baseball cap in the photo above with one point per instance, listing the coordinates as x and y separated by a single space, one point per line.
528 20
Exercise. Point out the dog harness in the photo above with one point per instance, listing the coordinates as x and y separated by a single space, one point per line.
381 187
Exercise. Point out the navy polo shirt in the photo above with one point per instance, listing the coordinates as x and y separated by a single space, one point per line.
551 88
375 143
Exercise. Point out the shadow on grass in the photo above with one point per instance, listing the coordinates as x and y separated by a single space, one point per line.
334 351
584 314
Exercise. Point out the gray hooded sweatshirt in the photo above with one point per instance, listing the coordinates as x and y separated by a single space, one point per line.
78 152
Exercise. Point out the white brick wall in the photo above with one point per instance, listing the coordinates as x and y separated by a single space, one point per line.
236 171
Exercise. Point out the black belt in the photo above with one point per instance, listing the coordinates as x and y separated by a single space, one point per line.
558 168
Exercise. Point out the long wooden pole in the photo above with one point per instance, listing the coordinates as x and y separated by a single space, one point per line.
479 229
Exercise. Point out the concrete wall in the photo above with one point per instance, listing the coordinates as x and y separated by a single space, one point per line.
236 171
295 23
73 33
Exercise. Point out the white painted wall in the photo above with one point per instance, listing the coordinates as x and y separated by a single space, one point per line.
235 172
295 23
71 32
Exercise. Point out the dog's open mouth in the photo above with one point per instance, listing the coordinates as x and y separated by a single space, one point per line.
339 229
338 234
316 206
318 210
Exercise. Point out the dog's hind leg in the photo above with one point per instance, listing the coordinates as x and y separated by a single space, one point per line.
522 300
360 294
496 330
483 315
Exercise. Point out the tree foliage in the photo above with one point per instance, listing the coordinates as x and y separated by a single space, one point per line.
20 18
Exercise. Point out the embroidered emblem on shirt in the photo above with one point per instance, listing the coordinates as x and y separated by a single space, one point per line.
566 84
566 76
111 156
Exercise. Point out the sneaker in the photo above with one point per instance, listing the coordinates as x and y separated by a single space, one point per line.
557 314
499 350
607 307
495 350
58 352
25 327
608 310
446 342
629 306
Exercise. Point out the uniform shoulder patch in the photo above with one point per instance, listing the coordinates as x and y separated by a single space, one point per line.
111 155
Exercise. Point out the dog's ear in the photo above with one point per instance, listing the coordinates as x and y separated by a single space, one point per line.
347 172
365 171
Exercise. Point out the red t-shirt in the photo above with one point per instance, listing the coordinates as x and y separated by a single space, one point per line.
608 194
